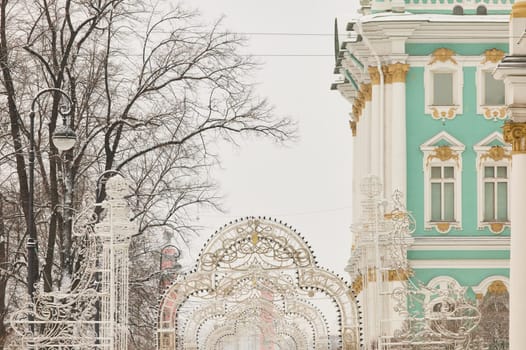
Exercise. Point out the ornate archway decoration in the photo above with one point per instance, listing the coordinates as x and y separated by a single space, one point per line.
260 270
291 310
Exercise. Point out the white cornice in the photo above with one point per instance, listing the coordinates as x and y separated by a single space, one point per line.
460 264
421 61
461 243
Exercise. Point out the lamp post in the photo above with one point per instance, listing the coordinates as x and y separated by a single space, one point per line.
64 139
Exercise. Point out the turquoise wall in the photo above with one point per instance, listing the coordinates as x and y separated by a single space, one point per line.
466 277
468 127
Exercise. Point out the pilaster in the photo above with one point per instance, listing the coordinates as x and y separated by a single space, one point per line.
512 69
376 135
398 159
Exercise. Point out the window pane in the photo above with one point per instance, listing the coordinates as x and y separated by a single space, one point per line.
489 201
436 209
502 172
443 89
494 90
449 172
502 201
489 171
436 172
449 202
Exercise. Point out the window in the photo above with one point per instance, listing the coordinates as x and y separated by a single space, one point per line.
493 172
458 10
442 159
443 85
490 91
493 90
442 193
442 89
495 193
482 10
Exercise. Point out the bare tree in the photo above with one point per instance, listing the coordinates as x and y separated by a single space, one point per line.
152 92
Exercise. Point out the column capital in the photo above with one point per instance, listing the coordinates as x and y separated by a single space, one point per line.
374 74
518 10
388 76
398 71
367 91
515 133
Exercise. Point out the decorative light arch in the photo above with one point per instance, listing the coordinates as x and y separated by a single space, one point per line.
256 259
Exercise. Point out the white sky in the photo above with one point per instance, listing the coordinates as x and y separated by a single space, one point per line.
307 185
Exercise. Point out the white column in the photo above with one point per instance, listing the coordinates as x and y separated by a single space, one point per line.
361 149
518 257
387 173
376 168
512 70
398 128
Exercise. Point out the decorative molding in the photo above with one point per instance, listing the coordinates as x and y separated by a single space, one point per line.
357 284
443 55
443 227
388 76
371 274
367 91
356 112
461 264
518 10
443 153
496 153
497 288
493 56
497 227
443 113
494 284
399 275
495 113
515 133
352 125
398 71
374 74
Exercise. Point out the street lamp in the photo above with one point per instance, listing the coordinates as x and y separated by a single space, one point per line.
64 138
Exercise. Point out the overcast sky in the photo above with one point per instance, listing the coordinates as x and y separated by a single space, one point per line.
307 185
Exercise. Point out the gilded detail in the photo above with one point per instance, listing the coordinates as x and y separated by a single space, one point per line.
254 238
374 74
367 91
398 275
496 227
493 56
496 153
371 274
398 72
443 153
357 284
497 288
388 76
495 113
443 55
515 133
449 113
443 227
352 125
518 10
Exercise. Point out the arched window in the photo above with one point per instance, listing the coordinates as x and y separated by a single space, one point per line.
458 10
482 10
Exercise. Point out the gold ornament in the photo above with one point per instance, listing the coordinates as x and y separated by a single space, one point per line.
443 55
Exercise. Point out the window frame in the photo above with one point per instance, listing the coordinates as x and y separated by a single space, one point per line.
442 150
487 65
488 155
443 61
